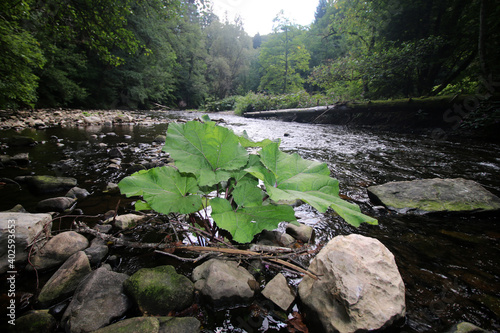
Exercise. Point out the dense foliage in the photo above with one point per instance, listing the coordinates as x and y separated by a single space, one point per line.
145 53
213 169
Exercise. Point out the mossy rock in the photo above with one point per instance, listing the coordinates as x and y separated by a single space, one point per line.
435 196
133 325
157 291
179 325
39 321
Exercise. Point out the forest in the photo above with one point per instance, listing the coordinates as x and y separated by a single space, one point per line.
177 53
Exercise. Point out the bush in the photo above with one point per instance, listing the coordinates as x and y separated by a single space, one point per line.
226 104
262 102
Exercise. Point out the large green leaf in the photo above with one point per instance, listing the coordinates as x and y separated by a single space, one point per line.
164 189
294 178
245 223
208 151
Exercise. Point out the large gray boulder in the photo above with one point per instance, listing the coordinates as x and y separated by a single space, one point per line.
98 300
236 286
26 227
159 290
58 249
359 289
434 195
65 279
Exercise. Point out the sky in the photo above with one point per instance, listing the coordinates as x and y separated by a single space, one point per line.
258 15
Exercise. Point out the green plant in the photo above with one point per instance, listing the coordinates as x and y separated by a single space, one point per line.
213 169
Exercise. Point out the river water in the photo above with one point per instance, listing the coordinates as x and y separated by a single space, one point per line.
450 264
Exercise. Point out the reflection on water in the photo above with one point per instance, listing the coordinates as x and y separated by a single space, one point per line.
450 264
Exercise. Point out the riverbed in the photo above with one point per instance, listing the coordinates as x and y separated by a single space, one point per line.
450 264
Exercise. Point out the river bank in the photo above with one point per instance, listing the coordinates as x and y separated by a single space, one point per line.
439 116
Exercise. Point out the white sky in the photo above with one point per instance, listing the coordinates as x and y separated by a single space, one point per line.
258 15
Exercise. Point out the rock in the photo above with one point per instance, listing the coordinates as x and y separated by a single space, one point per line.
465 327
65 279
21 158
278 291
178 325
115 153
48 184
21 141
126 221
112 188
154 325
97 251
103 228
159 290
360 287
160 139
38 321
17 209
134 168
58 249
60 205
286 240
92 120
236 286
434 195
27 227
77 193
133 325
302 233
98 300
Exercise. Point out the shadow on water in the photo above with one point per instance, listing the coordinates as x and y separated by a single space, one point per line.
450 264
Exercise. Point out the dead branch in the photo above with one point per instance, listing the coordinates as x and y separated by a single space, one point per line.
82 227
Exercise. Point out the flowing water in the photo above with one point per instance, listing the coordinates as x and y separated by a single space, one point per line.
450 264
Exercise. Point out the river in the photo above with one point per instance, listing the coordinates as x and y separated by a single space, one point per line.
450 264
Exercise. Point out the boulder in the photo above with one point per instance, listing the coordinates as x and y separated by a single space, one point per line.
27 227
278 291
360 288
48 184
98 300
302 232
38 321
65 279
237 282
59 204
58 249
77 193
434 196
159 290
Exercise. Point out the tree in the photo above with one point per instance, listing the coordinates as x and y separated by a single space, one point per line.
228 48
20 55
284 58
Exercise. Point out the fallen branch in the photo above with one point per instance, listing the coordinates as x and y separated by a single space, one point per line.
82 227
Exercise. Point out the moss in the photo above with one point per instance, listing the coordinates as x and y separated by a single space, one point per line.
160 290
40 321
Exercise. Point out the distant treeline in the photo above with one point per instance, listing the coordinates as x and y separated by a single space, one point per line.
178 53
